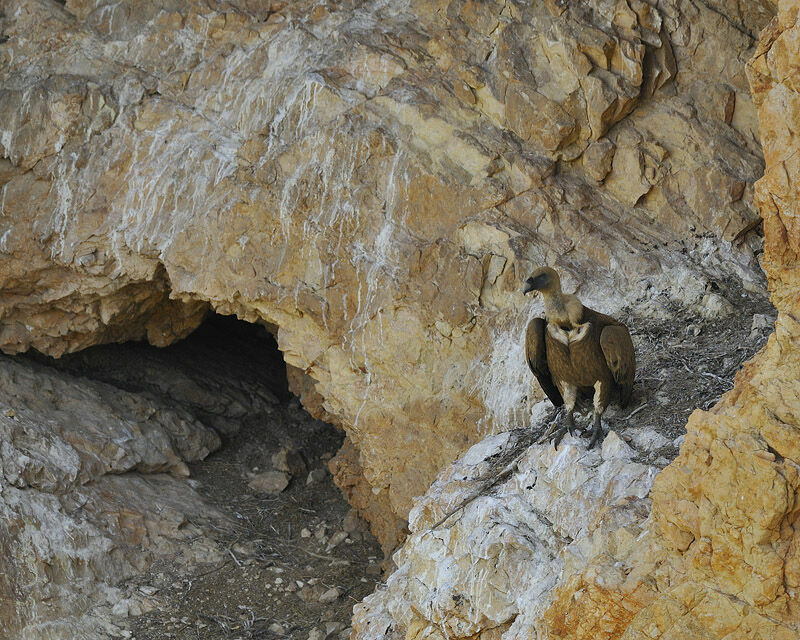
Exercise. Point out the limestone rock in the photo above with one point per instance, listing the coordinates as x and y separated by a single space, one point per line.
290 461
715 554
63 435
726 510
373 180
496 566
77 516
269 482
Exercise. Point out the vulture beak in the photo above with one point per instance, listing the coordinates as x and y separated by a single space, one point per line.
529 286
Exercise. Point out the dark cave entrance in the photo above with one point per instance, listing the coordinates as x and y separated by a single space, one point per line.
228 373
294 559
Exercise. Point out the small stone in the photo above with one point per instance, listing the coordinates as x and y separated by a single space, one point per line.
244 548
10 413
305 533
693 329
271 482
148 590
276 628
715 306
138 607
290 461
761 322
331 595
315 476
322 532
353 523
663 398
333 628
337 539
648 439
121 608
316 634
306 594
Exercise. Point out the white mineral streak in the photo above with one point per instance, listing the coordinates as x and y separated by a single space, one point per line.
494 563
374 180
77 514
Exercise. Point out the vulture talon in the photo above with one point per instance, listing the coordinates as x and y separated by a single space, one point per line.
597 432
570 424
557 436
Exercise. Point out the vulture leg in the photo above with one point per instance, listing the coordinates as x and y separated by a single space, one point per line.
570 394
597 430
570 397
602 393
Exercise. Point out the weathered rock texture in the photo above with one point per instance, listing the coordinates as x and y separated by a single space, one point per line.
717 554
375 179
491 568
72 527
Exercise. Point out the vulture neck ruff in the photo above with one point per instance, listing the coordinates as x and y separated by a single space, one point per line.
565 311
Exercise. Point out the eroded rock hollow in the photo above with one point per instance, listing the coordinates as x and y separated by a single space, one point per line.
375 180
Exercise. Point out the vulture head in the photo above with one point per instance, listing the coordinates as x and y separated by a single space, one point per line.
543 279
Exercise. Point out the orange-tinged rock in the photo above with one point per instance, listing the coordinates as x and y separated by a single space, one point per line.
321 169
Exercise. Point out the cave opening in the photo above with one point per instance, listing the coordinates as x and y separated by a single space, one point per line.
287 557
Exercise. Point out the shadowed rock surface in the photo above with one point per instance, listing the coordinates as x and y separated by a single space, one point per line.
102 543
375 179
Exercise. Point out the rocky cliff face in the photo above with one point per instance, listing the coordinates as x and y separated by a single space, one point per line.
713 553
375 180
78 515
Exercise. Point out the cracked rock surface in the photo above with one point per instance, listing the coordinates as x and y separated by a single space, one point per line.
712 552
376 180
491 568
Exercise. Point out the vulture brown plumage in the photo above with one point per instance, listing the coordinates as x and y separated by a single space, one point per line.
575 349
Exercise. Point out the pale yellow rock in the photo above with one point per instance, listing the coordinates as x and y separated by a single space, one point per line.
716 556
314 168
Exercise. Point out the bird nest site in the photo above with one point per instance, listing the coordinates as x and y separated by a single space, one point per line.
685 361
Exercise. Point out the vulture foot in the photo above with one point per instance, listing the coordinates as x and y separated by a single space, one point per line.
560 433
597 432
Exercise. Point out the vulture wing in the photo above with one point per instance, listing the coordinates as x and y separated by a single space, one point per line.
537 360
617 346
600 319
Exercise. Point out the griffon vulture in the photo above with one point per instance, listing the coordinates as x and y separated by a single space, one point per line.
575 349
